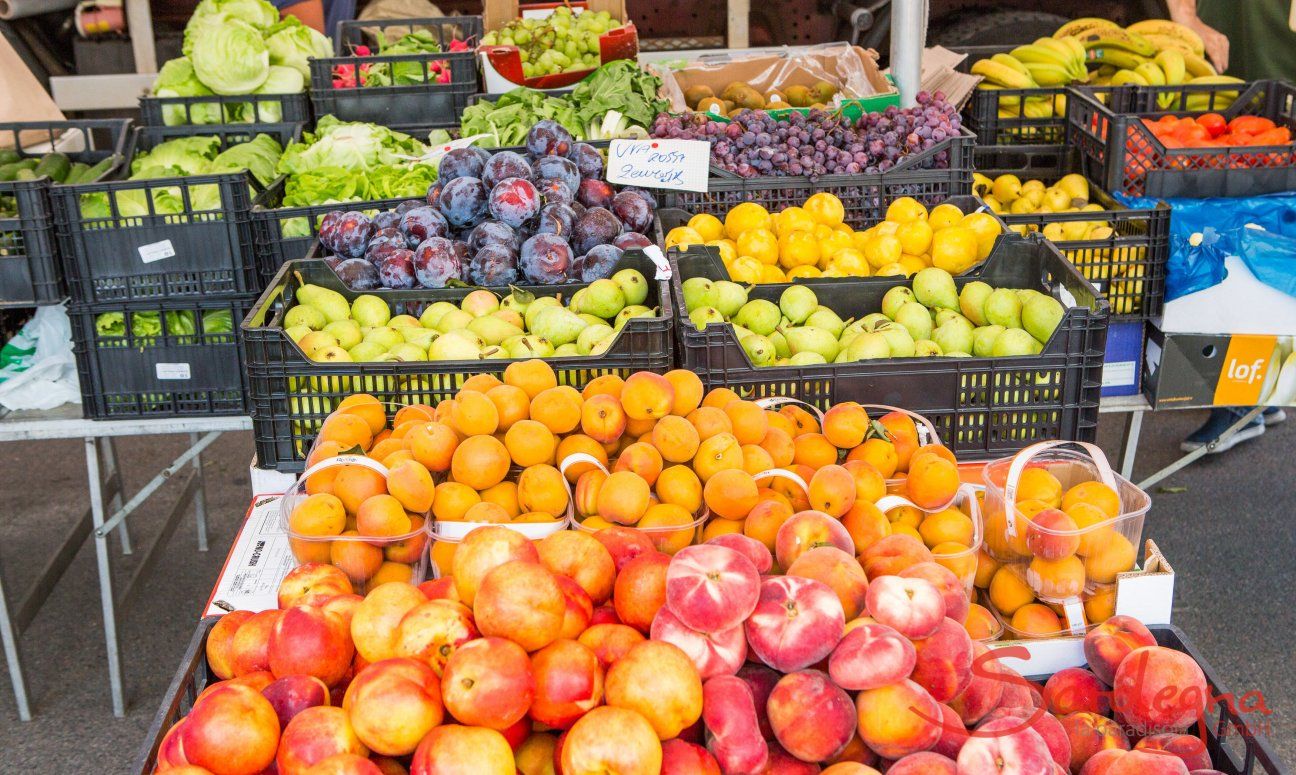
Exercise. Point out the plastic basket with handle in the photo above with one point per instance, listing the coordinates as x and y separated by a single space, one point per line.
667 538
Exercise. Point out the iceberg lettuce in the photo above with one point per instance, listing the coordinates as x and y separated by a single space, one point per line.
231 58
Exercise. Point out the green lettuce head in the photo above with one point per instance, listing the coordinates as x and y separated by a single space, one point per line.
292 43
211 14
231 58
177 79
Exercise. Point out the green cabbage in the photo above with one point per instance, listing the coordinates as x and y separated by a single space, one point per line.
110 324
292 43
231 58
211 14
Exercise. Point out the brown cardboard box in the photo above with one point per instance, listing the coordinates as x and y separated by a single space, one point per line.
497 13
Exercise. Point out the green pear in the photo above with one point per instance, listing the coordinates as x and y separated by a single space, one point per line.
814 339
741 333
696 291
634 286
332 353
296 333
761 316
367 351
632 312
1041 316
347 333
558 325
569 350
603 298
954 336
705 316
423 337
495 354
518 300
797 303
384 336
957 354
453 320
512 317
403 321
729 297
592 335
480 303
780 343
916 319
869 345
405 351
1026 294
331 303
466 335
897 336
576 300
591 320
896 298
434 312
934 287
972 301
536 307
827 320
492 330
983 339
1003 308
760 349
370 310
454 348
926 348
875 319
944 316
1013 341
530 346
807 358
316 340
305 315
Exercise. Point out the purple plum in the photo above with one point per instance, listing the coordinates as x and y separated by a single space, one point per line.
558 168
419 223
505 164
389 219
397 270
599 263
464 201
358 274
594 193
588 161
459 163
545 260
514 201
493 265
631 239
633 212
349 234
436 261
556 219
597 226
548 138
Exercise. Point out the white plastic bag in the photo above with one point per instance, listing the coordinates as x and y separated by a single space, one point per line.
49 377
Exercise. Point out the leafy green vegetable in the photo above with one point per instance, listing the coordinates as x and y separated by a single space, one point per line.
509 119
190 155
210 14
258 156
330 185
177 79
403 73
292 43
231 58
218 321
110 324
180 323
621 86
356 146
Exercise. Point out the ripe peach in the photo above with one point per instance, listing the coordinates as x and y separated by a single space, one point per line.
871 656
258 680
568 683
811 716
374 626
1107 645
484 549
683 758
313 735
840 571
520 601
796 623
1006 746
307 640
985 689
536 755
730 715
953 733
914 607
806 530
1158 689
1045 725
393 703
1051 534
249 646
944 661
1017 691
292 694
583 558
1075 689
892 554
430 632
347 764
231 729
488 682
1136 762
453 749
949 585
898 719
711 588
1188 748
1101 762
716 653
783 763
659 681
220 639
640 590
578 608
610 642
440 589
750 548
1088 733
309 584
612 740
923 763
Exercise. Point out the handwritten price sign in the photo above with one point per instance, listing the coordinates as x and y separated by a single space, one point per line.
680 165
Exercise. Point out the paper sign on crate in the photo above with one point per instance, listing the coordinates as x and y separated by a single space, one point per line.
257 562
679 165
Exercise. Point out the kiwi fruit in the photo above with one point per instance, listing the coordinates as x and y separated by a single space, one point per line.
748 97
799 96
694 95
711 105
823 91
732 88
776 99
736 112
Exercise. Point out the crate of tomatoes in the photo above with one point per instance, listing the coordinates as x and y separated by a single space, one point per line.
1244 149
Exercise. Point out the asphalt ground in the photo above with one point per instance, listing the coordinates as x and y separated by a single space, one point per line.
1223 523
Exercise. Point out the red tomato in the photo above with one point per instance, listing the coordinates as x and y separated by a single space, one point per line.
1250 125
1214 123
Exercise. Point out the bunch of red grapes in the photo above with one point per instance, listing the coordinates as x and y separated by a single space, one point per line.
819 142
494 219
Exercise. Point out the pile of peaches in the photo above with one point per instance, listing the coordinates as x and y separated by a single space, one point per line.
596 653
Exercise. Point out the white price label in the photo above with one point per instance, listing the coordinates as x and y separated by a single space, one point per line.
156 251
678 165
1119 374
172 371
659 260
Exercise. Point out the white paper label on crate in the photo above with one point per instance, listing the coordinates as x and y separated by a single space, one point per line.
1067 299
1119 374
659 260
156 251
678 165
172 371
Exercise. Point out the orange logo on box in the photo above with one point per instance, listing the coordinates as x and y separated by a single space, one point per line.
1243 372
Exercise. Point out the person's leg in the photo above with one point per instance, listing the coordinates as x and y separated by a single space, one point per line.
1220 420
1273 415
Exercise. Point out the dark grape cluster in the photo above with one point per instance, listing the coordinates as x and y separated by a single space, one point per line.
495 219
819 142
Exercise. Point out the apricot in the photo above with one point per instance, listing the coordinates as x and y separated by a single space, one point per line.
623 497
322 481
1056 579
484 511
1038 484
452 500
541 488
933 481
903 434
411 412
533 376
659 518
580 443
382 515
719 397
367 408
411 485
359 560
347 429
480 462
676 439
748 420
318 515
392 571
720 527
730 493
443 554
602 418
717 453
1101 605
604 385
980 624
354 484
792 490
1036 620
906 515
985 568
647 396
958 559
680 486
866 524
474 414
1111 555
813 450
1096 494
505 496
879 453
433 445
1009 591
688 391
756 459
832 490
765 519
709 421
846 424
643 459
382 449
530 443
559 408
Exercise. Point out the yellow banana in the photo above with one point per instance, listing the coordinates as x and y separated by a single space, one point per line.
1002 75
1166 43
1116 57
1010 102
1078 27
1203 103
1077 48
1169 29
1215 79
1073 61
1151 73
1011 61
1049 75
1038 107
1172 64
1129 78
1118 39
1198 66
1041 55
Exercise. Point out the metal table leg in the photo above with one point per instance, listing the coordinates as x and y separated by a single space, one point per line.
109 463
105 578
200 497
9 636
1129 443
1206 449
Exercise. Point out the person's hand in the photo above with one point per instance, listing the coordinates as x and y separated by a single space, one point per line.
1217 44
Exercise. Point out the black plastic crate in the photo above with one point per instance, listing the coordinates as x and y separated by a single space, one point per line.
982 407
1003 116
425 103
864 196
1229 728
163 255
266 109
141 374
30 272
1119 151
291 394
1129 266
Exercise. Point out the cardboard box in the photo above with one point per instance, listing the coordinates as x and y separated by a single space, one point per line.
1123 361
1146 594
269 481
1198 370
875 92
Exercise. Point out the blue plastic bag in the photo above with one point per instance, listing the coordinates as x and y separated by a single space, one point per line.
1196 263
1270 257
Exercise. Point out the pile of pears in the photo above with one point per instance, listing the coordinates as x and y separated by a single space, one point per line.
928 318
328 328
